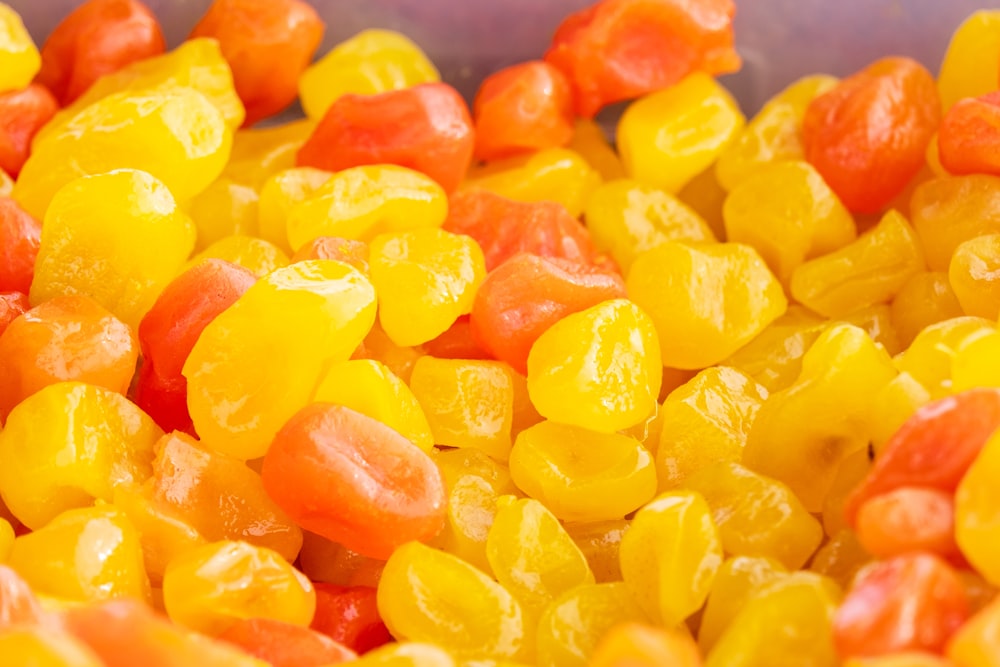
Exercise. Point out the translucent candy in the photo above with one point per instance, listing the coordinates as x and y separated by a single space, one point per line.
256 255
19 59
225 208
930 356
949 210
964 73
279 194
738 580
976 515
974 274
925 299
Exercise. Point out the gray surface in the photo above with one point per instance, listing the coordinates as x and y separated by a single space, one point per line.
779 39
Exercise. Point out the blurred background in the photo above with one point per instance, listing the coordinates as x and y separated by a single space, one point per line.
780 40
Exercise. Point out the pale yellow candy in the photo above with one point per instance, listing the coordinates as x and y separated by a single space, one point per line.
967 69
626 218
19 59
256 255
370 62
118 238
892 406
552 174
261 152
669 137
929 357
363 202
173 132
977 363
226 208
592 144
279 194
369 387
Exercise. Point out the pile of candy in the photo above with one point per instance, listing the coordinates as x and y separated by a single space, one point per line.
404 384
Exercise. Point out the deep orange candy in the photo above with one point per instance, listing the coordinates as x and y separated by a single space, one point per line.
522 108
910 602
426 128
934 448
12 306
867 137
457 342
969 138
350 251
171 328
97 38
20 236
67 338
286 645
18 604
906 520
126 633
22 114
504 227
527 294
268 44
349 615
354 480
622 49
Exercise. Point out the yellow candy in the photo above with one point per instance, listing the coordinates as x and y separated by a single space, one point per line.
425 279
369 387
405 654
706 301
279 194
258 362
670 556
173 132
788 624
85 441
975 364
738 580
574 624
892 406
209 588
582 475
975 643
667 138
532 555
774 357
706 420
840 558
467 403
773 135
118 238
925 299
876 321
370 62
226 208
869 271
756 515
590 142
974 276
253 254
949 210
475 483
788 214
626 218
802 433
259 153
362 202
964 70
6 540
45 647
552 174
85 554
428 595
600 543
19 59
977 512
598 369
850 473
929 358
705 196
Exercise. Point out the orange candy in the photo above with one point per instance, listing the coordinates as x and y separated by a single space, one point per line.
906 520
620 49
20 236
18 604
22 114
349 251
349 615
97 38
969 138
911 602
637 645
527 294
522 108
12 306
67 338
426 128
286 645
868 136
268 44
504 227
353 480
